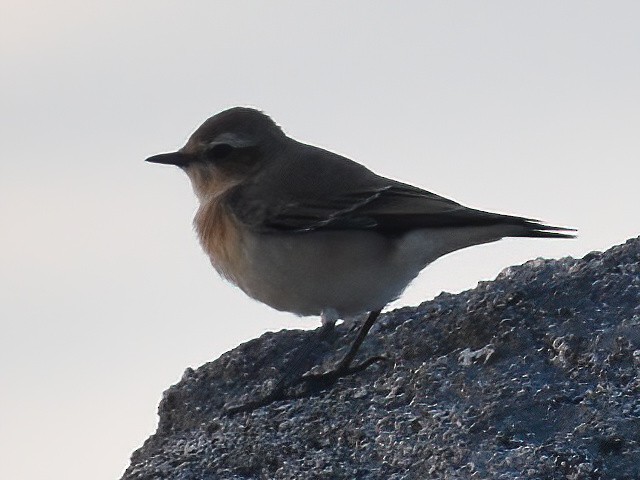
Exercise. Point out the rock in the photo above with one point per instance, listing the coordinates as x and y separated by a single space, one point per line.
533 375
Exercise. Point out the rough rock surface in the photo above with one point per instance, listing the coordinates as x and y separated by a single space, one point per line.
533 375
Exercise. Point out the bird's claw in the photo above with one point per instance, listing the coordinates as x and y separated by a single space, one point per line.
315 382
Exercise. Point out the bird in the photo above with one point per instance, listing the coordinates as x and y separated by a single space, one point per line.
308 231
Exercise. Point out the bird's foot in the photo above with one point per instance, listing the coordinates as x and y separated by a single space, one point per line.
313 383
316 382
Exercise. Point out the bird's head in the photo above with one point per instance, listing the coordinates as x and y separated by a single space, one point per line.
225 149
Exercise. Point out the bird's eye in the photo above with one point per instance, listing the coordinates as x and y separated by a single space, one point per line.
219 151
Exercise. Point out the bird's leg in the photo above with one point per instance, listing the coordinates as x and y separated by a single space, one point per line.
293 371
343 368
300 363
315 381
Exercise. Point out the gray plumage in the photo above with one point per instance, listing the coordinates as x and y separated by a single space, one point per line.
311 232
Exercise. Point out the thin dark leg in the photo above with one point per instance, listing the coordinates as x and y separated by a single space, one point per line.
300 363
355 346
293 372
316 381
344 368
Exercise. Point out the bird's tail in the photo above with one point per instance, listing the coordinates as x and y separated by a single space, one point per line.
527 227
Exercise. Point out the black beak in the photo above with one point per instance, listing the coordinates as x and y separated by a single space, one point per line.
174 158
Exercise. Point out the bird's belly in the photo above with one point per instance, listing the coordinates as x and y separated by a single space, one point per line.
350 272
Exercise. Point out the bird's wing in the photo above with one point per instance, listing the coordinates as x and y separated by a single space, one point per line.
319 190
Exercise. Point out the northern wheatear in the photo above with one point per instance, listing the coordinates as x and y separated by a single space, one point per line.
311 232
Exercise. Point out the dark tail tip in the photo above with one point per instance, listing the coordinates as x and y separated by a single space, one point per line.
537 229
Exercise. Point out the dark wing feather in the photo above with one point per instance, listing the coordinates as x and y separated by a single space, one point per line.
312 189
404 207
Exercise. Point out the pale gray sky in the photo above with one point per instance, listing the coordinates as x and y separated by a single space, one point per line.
530 108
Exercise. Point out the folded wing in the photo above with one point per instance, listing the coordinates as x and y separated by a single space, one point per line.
338 194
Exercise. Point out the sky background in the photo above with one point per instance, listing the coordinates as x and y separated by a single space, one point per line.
530 108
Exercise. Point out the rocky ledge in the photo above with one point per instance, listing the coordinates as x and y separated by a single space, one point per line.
533 375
